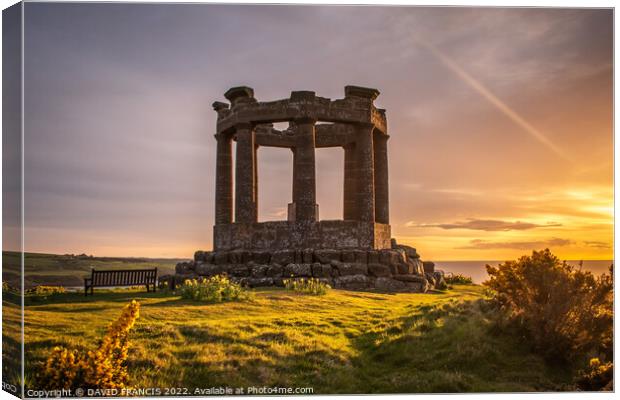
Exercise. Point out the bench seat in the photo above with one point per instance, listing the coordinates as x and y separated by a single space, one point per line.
114 278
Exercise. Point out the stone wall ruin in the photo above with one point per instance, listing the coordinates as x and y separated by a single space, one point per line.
356 252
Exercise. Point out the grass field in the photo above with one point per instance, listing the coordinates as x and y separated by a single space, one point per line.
11 339
70 270
343 342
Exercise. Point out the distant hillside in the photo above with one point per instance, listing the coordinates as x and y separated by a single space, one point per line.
71 269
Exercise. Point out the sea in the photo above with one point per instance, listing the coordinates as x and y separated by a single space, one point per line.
477 271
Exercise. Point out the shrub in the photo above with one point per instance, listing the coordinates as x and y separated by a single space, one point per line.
102 368
441 284
565 313
46 290
458 279
215 289
7 288
599 376
310 286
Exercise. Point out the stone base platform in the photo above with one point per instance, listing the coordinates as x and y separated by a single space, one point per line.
398 269
283 235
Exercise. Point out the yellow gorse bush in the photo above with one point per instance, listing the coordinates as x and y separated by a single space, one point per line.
102 368
564 312
215 289
60 369
310 286
599 376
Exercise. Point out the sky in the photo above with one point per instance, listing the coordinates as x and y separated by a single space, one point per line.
500 122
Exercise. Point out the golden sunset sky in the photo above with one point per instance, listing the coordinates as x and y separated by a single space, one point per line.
500 122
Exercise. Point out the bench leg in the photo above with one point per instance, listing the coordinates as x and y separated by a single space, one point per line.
85 290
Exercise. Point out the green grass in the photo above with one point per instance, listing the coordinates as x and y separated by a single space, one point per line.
342 342
11 339
70 270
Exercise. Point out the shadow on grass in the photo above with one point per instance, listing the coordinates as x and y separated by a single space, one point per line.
33 347
434 349
450 349
103 296
92 304
12 297
445 348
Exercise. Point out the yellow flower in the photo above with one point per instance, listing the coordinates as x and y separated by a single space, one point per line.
102 368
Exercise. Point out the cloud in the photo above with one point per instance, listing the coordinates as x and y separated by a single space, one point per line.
498 103
597 244
464 192
489 225
478 244
118 108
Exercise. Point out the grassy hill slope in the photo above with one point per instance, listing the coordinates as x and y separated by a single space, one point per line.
343 342
70 270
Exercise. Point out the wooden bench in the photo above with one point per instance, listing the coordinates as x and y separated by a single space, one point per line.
127 277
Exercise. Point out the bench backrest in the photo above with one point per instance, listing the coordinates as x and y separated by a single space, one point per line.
124 277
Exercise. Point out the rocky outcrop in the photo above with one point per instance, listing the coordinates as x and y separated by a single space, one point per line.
398 269
429 266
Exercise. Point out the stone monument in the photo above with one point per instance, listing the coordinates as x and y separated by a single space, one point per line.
356 252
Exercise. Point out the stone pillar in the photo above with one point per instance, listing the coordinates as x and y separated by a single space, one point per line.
366 172
256 180
349 206
292 213
294 173
304 187
382 193
245 193
223 180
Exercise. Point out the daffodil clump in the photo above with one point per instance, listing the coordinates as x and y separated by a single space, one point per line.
310 286
215 289
103 368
